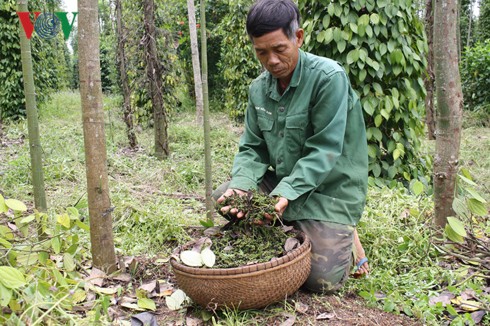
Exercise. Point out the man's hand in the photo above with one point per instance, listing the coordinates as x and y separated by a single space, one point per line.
282 204
228 209
280 207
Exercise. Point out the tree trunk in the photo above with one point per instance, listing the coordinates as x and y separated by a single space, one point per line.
458 29
99 205
430 119
154 71
191 12
470 20
449 107
121 61
205 93
32 118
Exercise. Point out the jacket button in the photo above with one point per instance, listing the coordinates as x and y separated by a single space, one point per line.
281 109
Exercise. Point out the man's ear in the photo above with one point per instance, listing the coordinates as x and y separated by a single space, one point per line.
300 33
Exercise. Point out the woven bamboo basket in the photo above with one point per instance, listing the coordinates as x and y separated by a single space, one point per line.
246 287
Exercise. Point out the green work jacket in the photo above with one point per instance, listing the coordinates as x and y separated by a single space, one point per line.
313 136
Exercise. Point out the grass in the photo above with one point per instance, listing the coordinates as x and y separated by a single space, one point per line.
146 192
155 201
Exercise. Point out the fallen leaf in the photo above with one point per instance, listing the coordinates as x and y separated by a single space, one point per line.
149 287
144 318
176 300
12 226
108 290
228 248
112 313
87 306
122 277
201 243
128 260
445 298
180 295
477 316
191 258
91 296
96 277
189 321
208 257
147 304
127 299
172 303
81 308
290 321
468 294
286 228
79 296
300 307
161 261
15 204
212 231
325 315
166 289
291 243
130 263
470 305
132 306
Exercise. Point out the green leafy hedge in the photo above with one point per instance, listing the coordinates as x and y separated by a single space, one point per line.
475 76
382 46
48 56
238 63
483 29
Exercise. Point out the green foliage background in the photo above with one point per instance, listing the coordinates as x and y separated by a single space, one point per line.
382 46
238 64
166 23
484 21
475 76
50 61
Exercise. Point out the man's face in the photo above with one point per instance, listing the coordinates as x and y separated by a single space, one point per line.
277 53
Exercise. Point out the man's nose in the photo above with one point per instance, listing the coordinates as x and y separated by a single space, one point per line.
273 60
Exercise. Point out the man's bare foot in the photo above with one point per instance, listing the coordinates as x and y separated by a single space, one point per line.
362 266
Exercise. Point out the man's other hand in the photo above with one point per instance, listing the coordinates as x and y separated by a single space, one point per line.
281 205
228 209
279 208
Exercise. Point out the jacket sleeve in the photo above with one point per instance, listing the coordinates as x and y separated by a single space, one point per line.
322 149
252 160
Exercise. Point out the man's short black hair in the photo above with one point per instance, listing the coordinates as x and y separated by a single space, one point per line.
267 16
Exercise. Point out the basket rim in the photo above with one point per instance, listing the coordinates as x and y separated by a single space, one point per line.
244 274
252 269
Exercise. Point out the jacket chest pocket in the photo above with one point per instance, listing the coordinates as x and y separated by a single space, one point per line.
295 132
265 126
